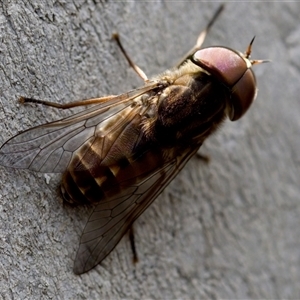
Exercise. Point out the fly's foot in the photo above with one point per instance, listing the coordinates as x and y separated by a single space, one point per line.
203 157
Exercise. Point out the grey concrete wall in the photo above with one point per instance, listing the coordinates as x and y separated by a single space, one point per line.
230 229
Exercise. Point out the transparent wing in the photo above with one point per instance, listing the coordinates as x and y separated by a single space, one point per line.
112 218
49 147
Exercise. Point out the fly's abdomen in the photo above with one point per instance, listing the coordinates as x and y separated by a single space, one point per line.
106 166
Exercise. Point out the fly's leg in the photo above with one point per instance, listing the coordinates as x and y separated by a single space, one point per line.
202 36
203 157
135 67
67 105
135 258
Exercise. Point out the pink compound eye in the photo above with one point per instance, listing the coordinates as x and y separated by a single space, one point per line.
234 71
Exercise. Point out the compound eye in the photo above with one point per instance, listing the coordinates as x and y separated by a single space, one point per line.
243 94
233 70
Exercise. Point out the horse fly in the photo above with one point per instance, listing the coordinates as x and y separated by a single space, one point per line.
119 154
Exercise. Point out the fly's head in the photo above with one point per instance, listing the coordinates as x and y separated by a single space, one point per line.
234 70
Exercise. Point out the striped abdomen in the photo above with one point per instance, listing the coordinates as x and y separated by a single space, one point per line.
90 185
106 165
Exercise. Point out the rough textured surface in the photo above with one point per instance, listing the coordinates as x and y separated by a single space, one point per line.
230 229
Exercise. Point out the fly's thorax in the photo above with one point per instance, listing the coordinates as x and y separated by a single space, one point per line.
193 106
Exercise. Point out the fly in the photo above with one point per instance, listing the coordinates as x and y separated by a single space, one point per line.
120 154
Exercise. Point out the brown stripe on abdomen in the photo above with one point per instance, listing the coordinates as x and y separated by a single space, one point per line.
106 165
104 181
